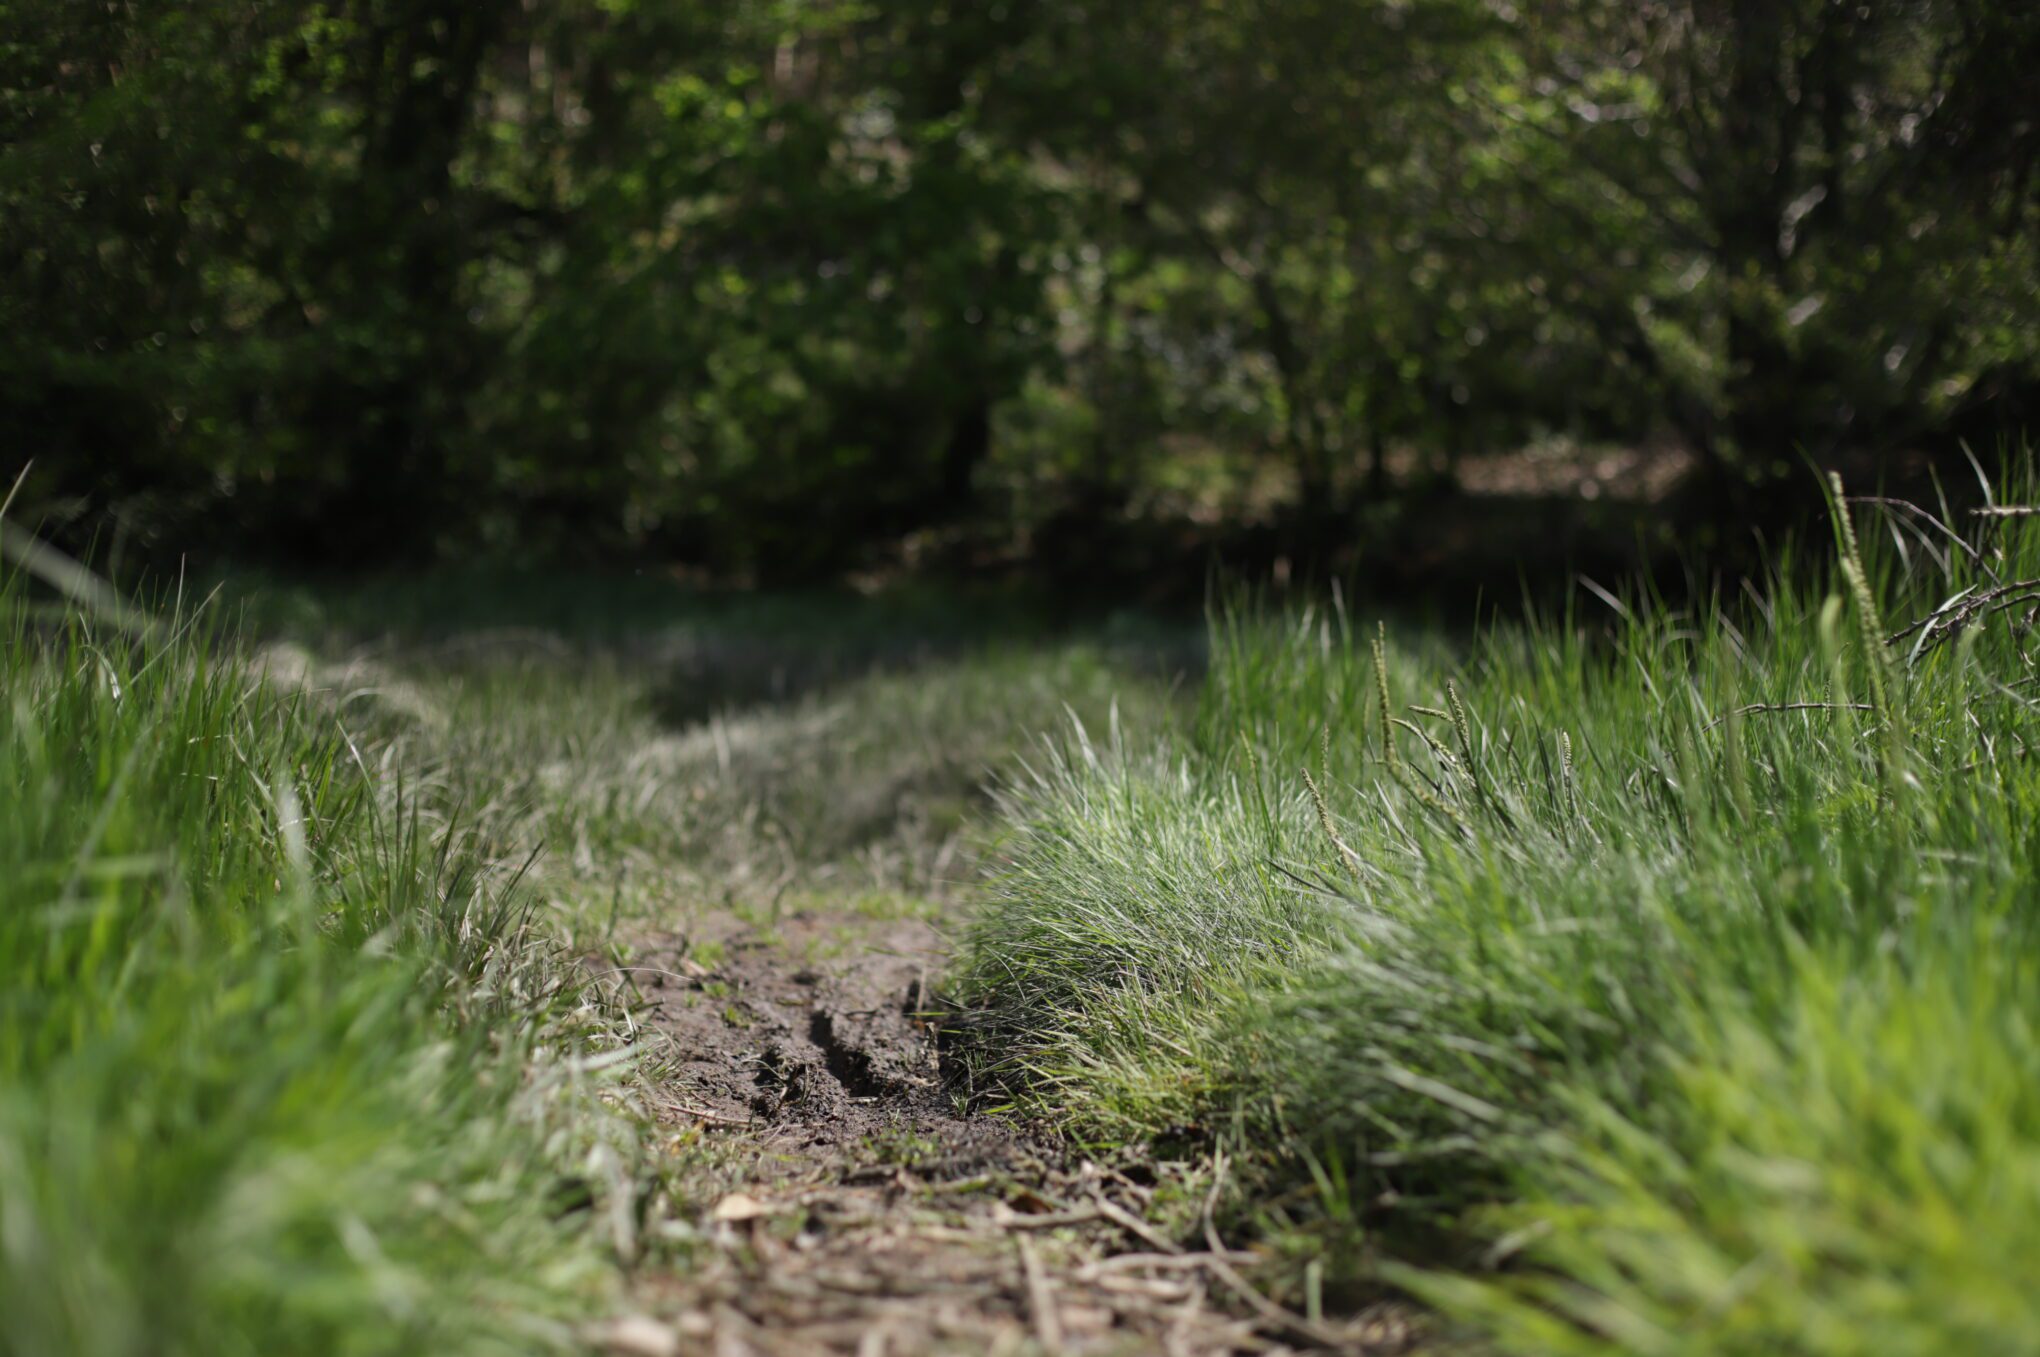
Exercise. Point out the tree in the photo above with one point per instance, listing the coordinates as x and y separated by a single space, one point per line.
1290 154
1833 202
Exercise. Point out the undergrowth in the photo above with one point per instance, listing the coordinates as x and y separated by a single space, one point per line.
1648 980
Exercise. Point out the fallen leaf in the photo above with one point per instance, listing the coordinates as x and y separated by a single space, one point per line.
1030 1203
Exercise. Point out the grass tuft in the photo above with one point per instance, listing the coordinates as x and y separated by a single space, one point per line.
283 1068
1683 1005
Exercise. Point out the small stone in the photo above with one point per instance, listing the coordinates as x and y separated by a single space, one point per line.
638 1336
739 1206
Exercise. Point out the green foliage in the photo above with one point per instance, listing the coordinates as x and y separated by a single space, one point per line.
1680 959
363 273
760 284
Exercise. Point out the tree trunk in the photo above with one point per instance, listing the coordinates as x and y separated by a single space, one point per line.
970 443
404 404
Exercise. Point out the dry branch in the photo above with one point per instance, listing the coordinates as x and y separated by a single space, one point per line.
1759 708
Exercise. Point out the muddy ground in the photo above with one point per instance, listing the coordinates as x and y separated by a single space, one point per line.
860 1207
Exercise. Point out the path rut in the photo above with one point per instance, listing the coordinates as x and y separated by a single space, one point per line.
858 1208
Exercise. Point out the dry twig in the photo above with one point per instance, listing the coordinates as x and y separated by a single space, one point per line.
1759 708
1040 1296
1281 1319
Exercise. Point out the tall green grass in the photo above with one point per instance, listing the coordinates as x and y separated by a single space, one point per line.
1696 1020
281 1067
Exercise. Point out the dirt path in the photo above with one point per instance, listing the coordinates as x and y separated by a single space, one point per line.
855 1208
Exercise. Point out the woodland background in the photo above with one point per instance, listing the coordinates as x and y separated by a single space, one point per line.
792 289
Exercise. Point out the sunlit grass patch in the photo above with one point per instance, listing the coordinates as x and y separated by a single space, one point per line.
1675 962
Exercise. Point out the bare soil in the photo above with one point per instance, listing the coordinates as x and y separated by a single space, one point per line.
858 1206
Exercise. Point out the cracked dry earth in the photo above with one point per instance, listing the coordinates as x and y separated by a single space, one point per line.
857 1209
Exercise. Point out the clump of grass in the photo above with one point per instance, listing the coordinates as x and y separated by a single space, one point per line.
281 1067
1623 979
1154 910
